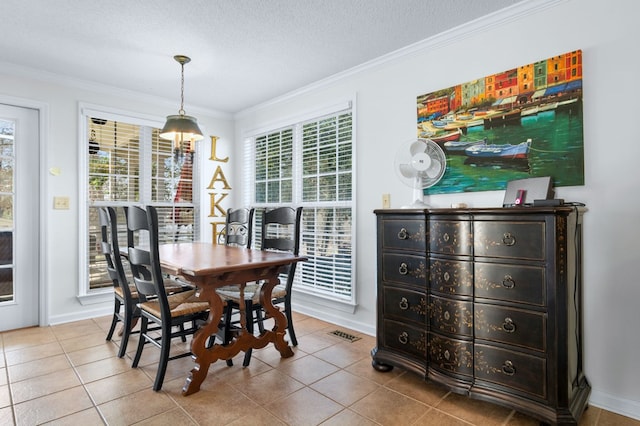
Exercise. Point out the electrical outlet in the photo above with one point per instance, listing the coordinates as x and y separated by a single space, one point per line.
61 203
386 201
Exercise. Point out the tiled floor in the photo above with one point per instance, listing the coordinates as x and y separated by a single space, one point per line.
69 375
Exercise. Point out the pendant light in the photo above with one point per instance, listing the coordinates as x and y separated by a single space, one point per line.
181 128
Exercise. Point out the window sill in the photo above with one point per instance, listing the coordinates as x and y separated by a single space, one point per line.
319 302
96 298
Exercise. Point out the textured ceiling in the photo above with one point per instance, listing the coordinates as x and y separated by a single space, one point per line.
243 52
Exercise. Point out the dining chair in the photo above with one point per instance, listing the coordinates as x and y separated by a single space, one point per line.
238 228
169 312
125 294
280 231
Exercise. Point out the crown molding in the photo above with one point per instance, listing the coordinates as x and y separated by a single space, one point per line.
14 70
461 32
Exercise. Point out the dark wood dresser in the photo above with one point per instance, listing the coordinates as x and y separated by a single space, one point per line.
486 302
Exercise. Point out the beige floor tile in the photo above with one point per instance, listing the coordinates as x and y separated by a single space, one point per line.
308 369
591 415
388 407
435 417
38 367
270 355
175 417
89 417
51 407
76 329
607 418
416 387
26 337
342 355
3 376
5 396
136 407
258 417
6 416
311 343
104 368
473 411
519 419
348 417
344 387
33 353
363 368
316 408
216 404
269 386
94 353
81 342
44 385
119 385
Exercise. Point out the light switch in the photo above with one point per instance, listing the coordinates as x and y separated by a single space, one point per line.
386 201
61 203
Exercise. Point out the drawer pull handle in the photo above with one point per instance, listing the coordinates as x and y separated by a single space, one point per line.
447 355
447 315
508 239
403 234
403 269
508 368
446 237
403 338
446 276
404 304
508 282
508 325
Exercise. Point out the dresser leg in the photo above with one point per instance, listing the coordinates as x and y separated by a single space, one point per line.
381 367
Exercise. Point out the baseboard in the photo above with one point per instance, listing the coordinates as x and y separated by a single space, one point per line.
615 404
325 315
81 315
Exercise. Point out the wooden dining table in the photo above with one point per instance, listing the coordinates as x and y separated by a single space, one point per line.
209 266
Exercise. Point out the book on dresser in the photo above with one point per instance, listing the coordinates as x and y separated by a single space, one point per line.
486 302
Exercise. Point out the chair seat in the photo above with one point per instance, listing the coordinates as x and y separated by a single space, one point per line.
183 303
251 292
132 290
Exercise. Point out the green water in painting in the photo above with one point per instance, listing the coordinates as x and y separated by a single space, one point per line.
557 150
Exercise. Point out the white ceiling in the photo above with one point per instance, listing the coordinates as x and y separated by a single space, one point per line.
243 52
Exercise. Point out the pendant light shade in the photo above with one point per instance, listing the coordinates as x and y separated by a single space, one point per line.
181 127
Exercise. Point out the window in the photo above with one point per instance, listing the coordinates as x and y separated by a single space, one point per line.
310 164
127 163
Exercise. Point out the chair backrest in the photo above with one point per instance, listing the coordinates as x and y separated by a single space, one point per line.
281 232
142 242
111 249
239 227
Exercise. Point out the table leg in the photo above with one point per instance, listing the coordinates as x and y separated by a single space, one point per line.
280 327
203 356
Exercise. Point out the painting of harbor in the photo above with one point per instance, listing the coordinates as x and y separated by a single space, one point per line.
520 123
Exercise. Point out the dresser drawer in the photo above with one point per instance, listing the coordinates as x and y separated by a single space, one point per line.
405 305
514 283
450 237
406 269
405 234
512 369
405 338
451 277
512 326
451 355
520 240
451 316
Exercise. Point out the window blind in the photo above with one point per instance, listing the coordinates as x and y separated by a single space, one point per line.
310 164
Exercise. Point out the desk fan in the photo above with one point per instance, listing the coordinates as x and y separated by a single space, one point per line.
420 164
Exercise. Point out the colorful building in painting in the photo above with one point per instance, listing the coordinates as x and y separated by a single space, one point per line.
526 86
473 92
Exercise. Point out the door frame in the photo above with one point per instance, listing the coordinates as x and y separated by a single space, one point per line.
43 136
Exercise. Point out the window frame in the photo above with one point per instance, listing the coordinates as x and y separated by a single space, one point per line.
249 177
86 295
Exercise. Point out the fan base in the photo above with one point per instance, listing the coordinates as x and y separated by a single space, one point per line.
417 204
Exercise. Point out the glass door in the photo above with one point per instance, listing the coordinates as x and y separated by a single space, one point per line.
19 221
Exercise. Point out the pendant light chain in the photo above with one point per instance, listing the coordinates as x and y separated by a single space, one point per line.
181 112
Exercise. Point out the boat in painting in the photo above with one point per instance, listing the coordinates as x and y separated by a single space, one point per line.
501 151
446 137
458 147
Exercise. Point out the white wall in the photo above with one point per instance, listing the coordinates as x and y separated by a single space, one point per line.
608 33
61 150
